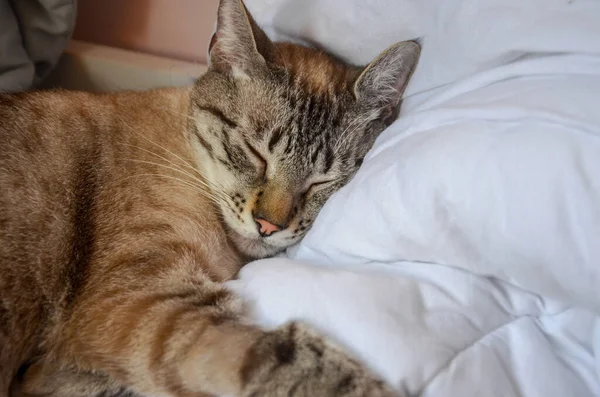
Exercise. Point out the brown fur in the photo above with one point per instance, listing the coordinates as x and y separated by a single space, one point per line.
321 73
122 277
117 226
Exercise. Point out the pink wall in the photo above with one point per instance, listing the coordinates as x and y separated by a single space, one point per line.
175 28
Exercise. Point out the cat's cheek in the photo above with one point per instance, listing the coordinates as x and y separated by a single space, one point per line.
238 226
285 240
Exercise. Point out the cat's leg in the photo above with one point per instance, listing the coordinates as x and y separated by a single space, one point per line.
160 337
296 361
44 379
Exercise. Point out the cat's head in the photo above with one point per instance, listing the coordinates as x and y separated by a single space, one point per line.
280 127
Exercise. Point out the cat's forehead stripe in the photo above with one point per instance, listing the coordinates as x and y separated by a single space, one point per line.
317 71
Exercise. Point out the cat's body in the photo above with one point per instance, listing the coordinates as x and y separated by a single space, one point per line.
122 214
91 212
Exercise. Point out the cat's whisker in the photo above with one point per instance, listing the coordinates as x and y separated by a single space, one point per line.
212 186
193 177
205 193
195 188
174 168
156 155
184 162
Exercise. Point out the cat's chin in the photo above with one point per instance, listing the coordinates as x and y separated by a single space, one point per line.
254 248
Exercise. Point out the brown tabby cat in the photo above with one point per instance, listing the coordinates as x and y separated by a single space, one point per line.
121 215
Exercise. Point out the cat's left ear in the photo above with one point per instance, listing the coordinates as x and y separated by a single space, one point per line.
239 45
381 84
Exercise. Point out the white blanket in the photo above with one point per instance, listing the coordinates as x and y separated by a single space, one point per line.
464 257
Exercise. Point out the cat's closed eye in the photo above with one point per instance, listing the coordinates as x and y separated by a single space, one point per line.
260 162
318 185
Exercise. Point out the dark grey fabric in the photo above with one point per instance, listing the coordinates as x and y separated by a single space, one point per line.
33 35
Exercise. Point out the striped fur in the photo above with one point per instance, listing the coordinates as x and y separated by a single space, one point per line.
121 215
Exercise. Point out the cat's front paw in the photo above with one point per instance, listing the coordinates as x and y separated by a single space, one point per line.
295 361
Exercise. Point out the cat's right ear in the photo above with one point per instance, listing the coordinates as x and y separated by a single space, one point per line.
239 46
381 84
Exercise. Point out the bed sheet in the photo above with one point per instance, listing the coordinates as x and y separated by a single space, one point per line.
432 330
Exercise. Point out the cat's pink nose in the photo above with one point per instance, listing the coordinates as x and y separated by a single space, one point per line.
266 228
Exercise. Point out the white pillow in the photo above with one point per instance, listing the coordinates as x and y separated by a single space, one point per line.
502 180
460 37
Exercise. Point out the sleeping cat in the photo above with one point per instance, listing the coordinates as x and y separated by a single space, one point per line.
122 214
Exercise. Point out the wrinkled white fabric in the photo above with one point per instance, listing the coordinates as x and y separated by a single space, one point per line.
464 257
433 330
